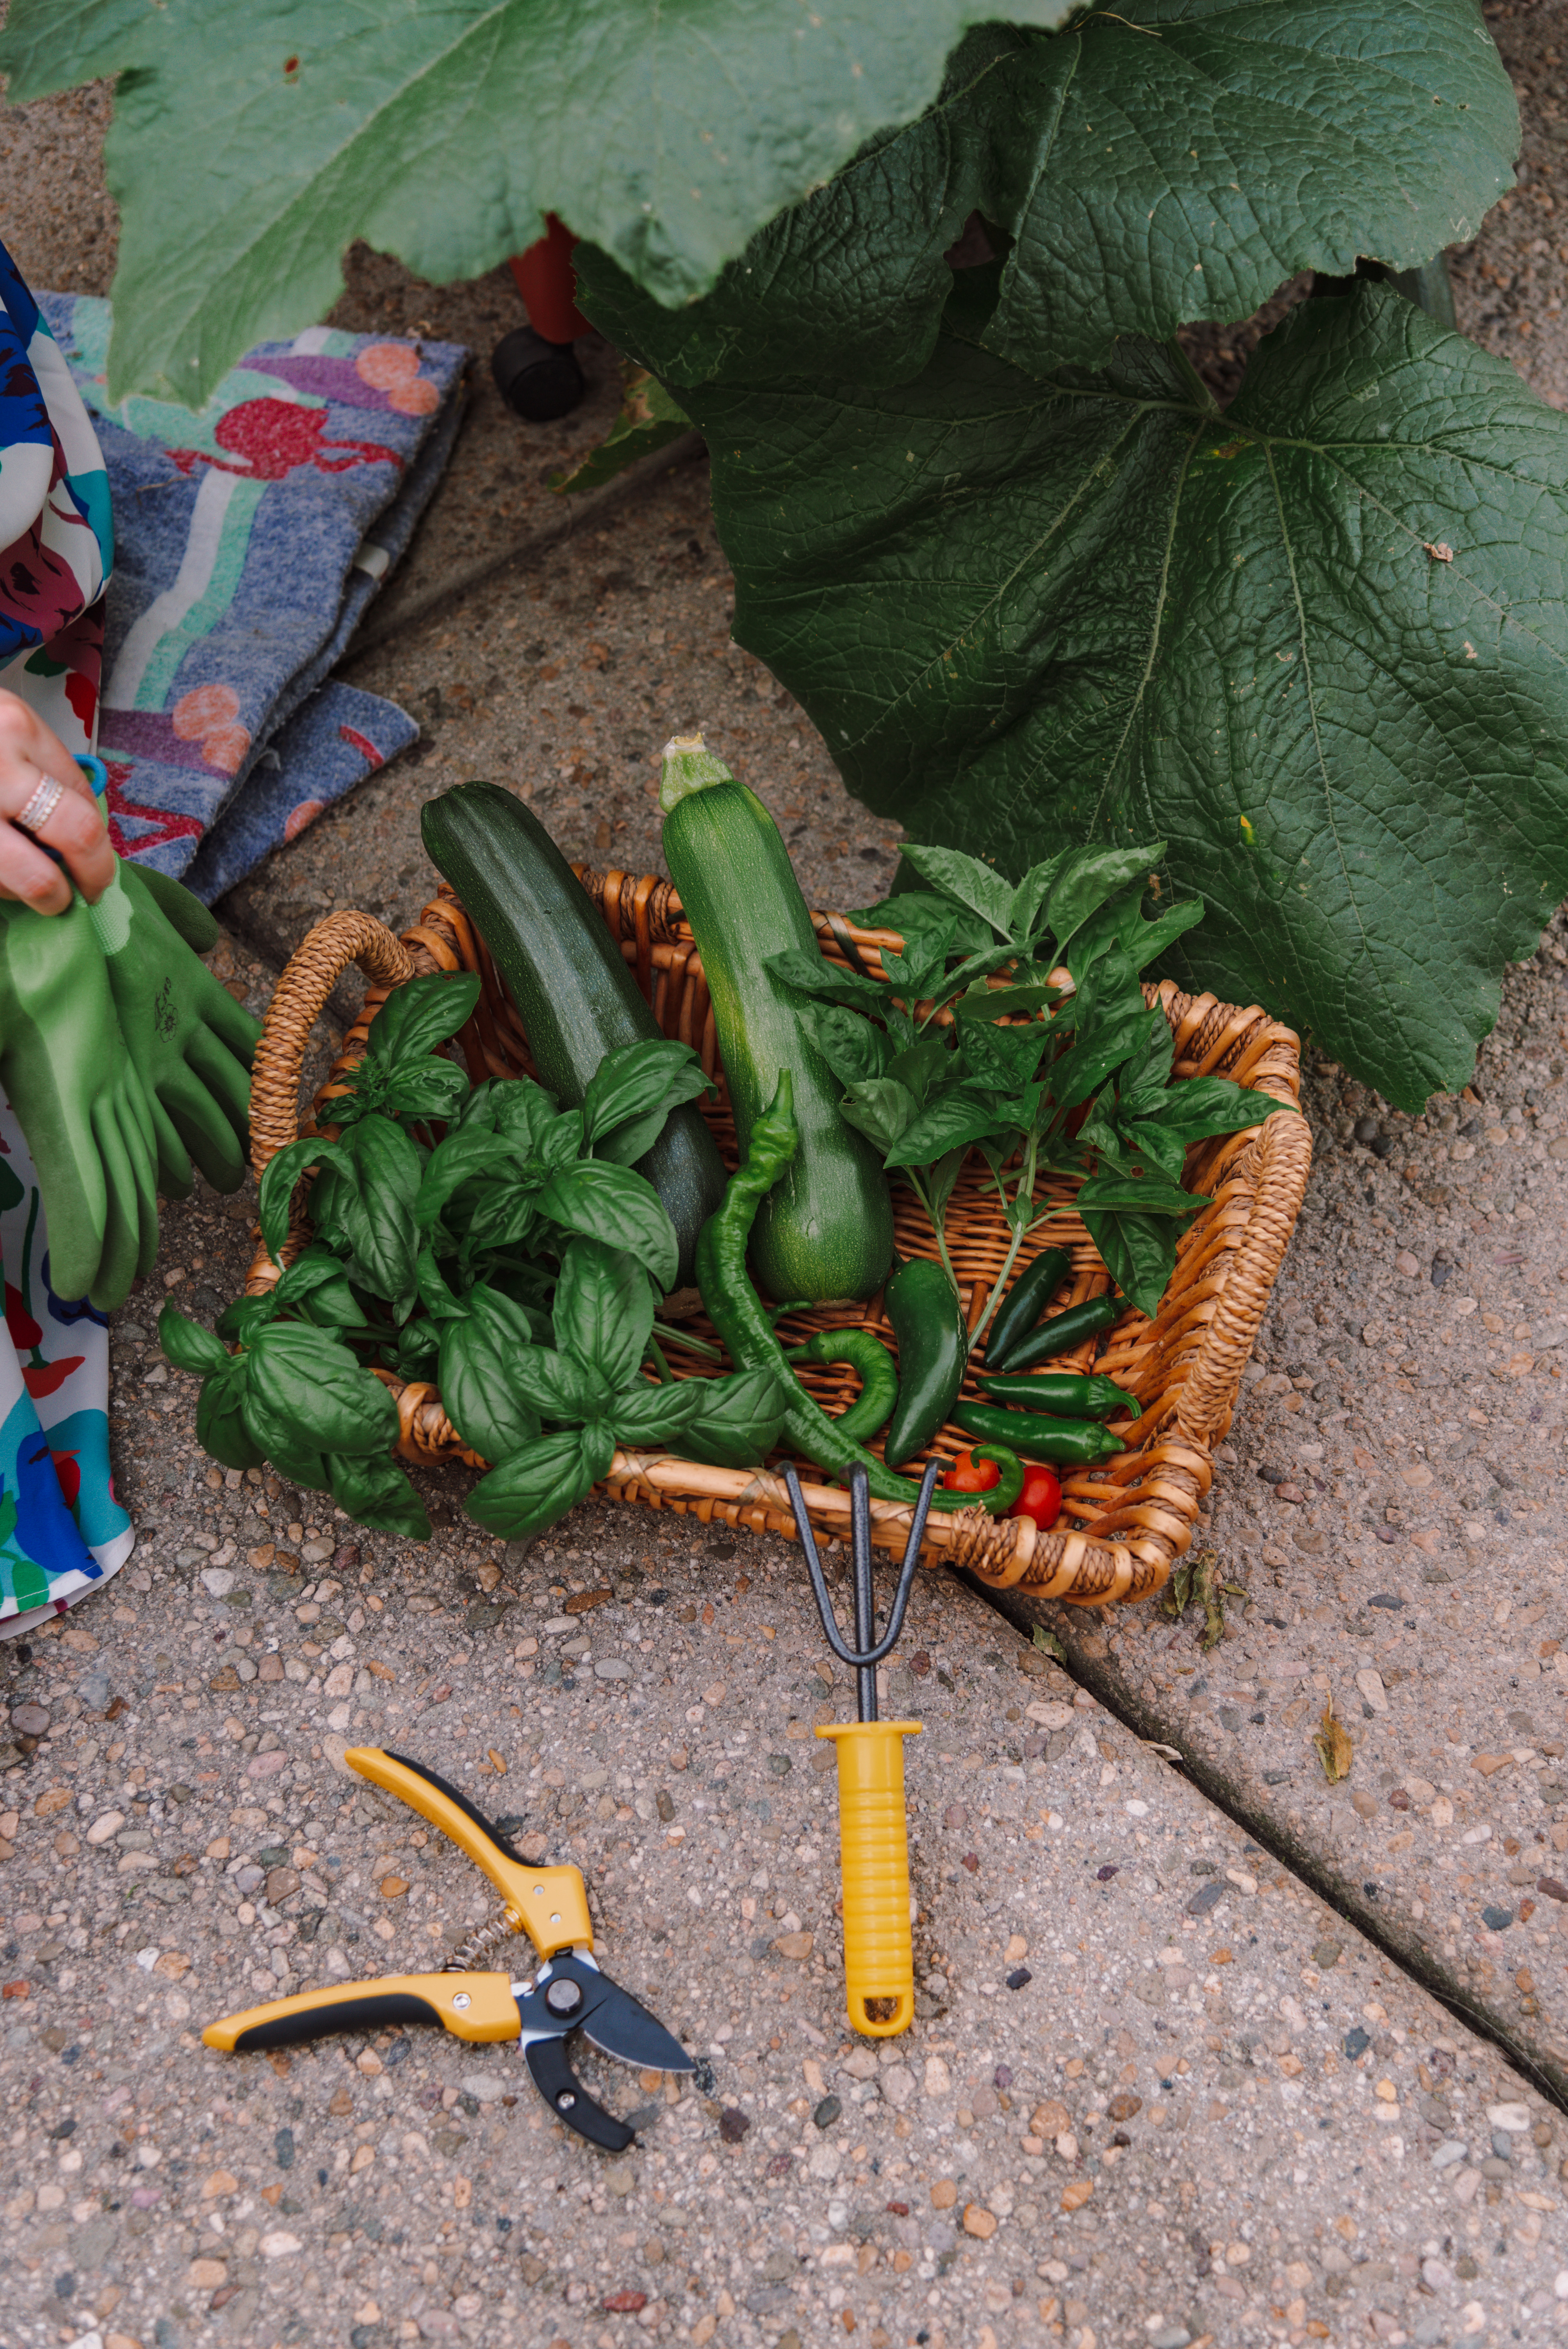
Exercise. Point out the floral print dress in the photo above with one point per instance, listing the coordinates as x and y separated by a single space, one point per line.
62 1532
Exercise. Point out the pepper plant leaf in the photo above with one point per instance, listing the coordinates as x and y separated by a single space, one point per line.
1319 645
252 145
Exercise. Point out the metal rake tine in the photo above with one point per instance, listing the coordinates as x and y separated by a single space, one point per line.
814 1567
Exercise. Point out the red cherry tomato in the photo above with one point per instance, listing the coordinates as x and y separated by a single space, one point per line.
969 1475
1041 1498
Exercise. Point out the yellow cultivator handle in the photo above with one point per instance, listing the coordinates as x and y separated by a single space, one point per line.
873 1865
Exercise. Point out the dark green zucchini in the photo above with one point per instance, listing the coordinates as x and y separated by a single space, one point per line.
577 999
825 1232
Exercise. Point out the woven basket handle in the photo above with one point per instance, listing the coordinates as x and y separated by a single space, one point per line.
313 970
1208 1393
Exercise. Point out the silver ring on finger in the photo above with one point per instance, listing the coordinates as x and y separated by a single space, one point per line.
40 807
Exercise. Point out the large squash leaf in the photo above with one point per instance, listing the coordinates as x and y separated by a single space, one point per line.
1320 645
254 139
1144 169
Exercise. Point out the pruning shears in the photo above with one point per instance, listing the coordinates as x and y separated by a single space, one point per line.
569 1992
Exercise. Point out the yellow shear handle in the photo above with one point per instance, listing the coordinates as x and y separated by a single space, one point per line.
548 1904
873 1867
474 2006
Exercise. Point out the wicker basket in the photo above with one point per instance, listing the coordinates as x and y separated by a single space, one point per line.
1123 1523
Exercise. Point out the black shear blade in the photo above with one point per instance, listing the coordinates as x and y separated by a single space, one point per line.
564 2094
623 2027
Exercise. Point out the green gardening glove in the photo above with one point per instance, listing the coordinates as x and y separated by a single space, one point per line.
190 1042
80 1102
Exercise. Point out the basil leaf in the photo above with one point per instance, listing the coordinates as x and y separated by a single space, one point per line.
189 1346
221 1427
279 1178
246 1313
854 1048
558 1388
310 1271
603 1313
637 1079
510 1323
416 1352
542 1482
302 1378
561 1143
612 1205
378 1211
658 1414
478 1113
301 1464
418 1016
377 1493
335 1306
497 1215
429 1090
741 1419
439 1300
453 1163
522 1111
1139 1252
479 1394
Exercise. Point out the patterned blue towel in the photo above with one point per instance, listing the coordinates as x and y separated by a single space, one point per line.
248 541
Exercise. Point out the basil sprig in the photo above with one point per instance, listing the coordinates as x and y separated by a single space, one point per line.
482 1238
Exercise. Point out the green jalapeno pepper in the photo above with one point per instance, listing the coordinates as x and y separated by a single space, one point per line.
1003 1495
1064 1394
932 1347
1078 1443
870 1358
736 1311
1025 1302
1062 1333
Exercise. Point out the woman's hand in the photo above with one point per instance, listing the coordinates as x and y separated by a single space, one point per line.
32 754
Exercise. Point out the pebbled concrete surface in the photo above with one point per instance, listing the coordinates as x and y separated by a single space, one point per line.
1155 2090
1389 1522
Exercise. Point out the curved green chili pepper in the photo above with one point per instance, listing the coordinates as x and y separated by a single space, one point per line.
933 1348
870 1358
1063 1332
1064 1394
1010 1482
1077 1442
1025 1302
736 1312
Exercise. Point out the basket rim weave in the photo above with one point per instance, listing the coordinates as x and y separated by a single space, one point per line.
1124 1523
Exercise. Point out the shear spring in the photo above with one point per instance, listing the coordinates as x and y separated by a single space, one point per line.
481 1943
